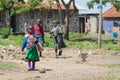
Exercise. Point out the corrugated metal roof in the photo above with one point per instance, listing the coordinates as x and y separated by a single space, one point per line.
88 12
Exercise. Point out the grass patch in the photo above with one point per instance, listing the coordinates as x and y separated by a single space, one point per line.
111 46
83 44
49 42
7 65
15 40
110 77
75 35
86 41
113 67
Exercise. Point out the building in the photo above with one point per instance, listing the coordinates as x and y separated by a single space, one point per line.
89 21
111 21
20 22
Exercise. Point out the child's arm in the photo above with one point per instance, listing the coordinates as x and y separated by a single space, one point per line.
24 44
53 29
60 30
42 31
38 45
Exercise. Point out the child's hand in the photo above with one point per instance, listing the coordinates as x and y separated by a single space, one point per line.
23 53
39 47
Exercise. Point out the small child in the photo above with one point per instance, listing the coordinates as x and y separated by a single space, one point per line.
86 30
31 54
57 38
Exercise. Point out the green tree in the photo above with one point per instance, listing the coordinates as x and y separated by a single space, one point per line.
12 7
115 3
66 20
8 6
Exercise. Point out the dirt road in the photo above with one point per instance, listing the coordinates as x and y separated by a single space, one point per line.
100 65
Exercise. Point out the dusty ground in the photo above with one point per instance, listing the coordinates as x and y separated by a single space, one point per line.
99 66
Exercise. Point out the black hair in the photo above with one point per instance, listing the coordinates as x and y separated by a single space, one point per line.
29 29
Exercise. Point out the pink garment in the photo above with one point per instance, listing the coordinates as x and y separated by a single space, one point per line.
38 30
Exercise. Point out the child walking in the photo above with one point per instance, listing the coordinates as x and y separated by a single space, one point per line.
57 38
39 33
31 54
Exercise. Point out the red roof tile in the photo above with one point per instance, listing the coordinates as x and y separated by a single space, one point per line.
54 6
112 12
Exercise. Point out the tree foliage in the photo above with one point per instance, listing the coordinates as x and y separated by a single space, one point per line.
9 5
12 7
115 3
33 3
18 6
67 14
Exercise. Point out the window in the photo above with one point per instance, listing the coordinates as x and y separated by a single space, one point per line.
1 16
116 23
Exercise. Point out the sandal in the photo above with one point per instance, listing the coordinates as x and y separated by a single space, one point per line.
60 52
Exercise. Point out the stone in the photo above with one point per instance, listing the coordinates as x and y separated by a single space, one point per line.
1 73
43 70
1 57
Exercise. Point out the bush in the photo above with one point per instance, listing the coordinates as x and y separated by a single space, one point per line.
16 39
49 42
4 32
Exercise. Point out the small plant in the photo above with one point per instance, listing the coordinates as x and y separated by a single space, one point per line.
75 35
49 42
16 39
4 32
7 65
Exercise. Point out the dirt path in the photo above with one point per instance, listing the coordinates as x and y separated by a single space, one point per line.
67 67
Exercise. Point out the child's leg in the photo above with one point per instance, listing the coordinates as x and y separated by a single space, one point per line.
56 53
59 45
56 49
29 64
60 52
40 53
33 65
59 49
56 46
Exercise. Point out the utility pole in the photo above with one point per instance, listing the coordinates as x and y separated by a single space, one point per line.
100 24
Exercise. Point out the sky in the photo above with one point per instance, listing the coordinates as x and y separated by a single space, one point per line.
82 5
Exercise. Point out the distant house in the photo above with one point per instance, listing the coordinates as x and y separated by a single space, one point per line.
89 20
20 22
111 21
